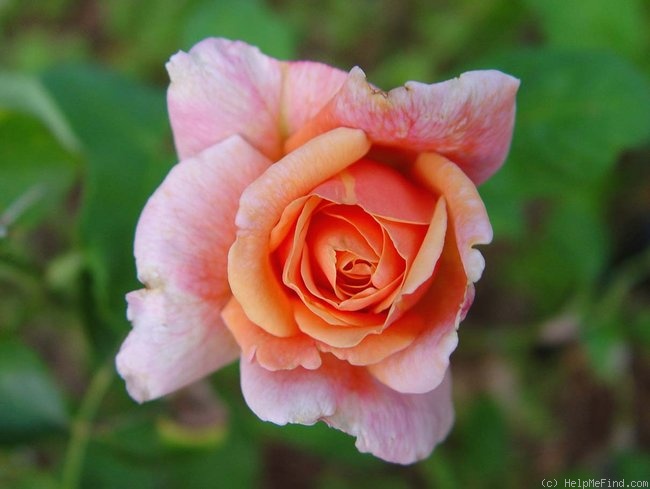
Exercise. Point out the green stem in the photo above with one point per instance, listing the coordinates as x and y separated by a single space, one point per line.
82 425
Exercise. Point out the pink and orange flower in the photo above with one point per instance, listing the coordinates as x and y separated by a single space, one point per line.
322 231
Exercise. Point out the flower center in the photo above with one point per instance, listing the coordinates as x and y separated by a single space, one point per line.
353 274
346 249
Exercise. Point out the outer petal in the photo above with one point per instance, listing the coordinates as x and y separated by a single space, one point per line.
401 428
181 245
307 88
221 88
468 119
252 279
176 339
271 352
188 224
374 348
339 336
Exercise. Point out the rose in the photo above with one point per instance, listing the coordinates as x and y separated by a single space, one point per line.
323 230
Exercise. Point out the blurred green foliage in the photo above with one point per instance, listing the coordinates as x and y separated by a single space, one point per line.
552 377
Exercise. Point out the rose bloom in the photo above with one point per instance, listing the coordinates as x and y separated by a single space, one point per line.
322 231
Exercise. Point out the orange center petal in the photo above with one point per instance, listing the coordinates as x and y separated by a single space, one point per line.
346 253
250 273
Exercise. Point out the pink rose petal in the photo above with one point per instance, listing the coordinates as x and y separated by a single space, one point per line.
176 339
224 87
366 183
468 119
272 352
400 428
308 86
181 246
221 88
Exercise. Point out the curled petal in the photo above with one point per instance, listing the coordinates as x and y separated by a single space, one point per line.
180 248
329 237
367 183
269 351
374 348
287 221
468 119
422 365
251 277
427 257
405 237
466 209
311 322
400 428
422 266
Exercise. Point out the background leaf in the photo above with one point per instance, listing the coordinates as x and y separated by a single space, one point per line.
249 20
30 403
105 108
26 94
36 170
571 121
594 24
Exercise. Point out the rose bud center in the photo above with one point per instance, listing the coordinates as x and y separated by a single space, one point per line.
344 251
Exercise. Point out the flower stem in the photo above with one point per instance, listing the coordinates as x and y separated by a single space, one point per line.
82 424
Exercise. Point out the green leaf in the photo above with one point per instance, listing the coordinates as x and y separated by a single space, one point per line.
594 24
572 124
234 465
640 332
572 121
26 94
123 127
401 67
485 443
143 47
109 469
29 480
361 480
249 20
504 197
439 471
36 170
30 403
134 452
604 342
633 465
564 253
